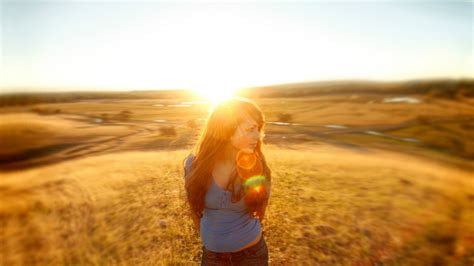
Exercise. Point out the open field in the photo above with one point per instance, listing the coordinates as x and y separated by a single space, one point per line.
362 176
329 206
424 124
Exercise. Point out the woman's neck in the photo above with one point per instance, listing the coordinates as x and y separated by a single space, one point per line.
229 155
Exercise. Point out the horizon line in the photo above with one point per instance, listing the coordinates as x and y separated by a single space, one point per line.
37 89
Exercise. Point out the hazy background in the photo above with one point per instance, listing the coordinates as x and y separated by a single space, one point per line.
124 45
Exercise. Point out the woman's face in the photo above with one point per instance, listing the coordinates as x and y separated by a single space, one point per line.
246 136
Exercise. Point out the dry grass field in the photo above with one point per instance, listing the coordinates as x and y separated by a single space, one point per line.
361 177
330 206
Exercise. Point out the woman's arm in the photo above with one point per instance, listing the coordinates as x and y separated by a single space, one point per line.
187 166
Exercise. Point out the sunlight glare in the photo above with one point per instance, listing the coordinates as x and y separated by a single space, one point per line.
215 93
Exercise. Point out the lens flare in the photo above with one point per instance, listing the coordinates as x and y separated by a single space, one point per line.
254 185
250 170
255 194
248 165
254 181
245 160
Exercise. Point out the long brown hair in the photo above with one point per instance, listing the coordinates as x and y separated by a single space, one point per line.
211 147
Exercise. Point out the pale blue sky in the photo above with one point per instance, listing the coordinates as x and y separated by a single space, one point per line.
139 45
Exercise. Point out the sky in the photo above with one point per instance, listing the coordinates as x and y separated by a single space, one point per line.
125 45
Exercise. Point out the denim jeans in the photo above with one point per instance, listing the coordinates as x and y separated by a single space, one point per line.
254 255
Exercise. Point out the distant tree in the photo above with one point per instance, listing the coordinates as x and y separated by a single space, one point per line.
124 115
192 123
467 126
465 93
168 131
285 117
105 117
424 119
45 111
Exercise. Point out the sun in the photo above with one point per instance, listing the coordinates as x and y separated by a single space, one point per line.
214 93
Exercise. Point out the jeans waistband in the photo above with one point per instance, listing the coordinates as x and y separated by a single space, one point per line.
248 251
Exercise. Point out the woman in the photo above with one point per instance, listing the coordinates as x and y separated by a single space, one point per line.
228 184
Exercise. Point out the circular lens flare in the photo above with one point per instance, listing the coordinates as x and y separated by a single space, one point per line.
246 160
248 165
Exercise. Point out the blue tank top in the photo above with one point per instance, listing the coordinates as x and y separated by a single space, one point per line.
225 226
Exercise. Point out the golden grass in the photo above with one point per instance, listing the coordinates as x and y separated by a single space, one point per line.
329 206
20 131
